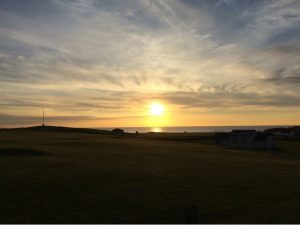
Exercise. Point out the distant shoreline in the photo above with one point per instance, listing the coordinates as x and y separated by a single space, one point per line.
202 129
183 129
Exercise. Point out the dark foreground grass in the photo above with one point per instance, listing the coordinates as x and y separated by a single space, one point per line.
52 177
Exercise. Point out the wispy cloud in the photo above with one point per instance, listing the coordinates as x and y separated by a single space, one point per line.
97 57
12 120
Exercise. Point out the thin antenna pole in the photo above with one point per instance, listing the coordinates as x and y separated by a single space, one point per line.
43 117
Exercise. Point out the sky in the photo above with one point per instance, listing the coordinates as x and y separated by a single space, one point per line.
102 63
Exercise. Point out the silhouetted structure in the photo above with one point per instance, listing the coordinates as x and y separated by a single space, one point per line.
285 132
43 124
118 131
263 141
222 138
250 139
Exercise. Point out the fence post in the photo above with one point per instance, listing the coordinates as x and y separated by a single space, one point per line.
191 214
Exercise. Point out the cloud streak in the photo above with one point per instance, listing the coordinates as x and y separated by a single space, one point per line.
92 57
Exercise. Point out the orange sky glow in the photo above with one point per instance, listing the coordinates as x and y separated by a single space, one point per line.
104 63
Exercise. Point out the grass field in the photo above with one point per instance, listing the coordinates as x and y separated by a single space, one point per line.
80 177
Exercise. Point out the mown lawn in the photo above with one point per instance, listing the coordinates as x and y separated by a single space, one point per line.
48 177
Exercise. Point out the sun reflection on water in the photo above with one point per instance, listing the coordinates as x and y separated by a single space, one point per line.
156 129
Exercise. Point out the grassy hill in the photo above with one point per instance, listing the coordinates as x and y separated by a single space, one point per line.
64 175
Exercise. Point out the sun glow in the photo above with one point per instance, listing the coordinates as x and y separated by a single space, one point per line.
156 109
156 129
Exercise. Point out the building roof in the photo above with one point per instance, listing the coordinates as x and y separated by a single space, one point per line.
243 131
262 136
222 135
117 130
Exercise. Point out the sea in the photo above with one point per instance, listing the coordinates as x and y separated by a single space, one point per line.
190 129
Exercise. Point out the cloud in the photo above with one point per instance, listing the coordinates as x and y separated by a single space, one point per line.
285 76
11 120
231 100
272 19
90 57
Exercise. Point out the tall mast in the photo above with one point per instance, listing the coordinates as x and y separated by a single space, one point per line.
43 117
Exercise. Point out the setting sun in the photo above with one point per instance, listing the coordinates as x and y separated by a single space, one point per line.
150 112
156 109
